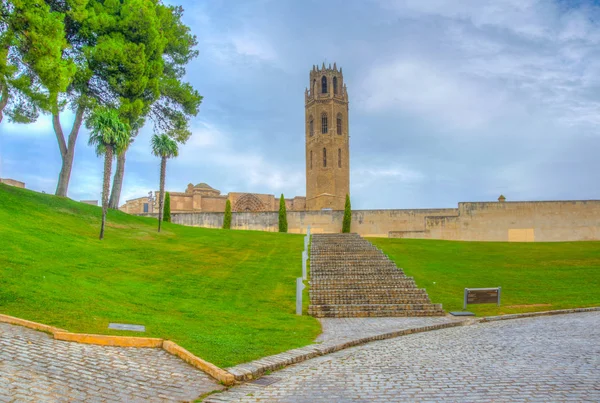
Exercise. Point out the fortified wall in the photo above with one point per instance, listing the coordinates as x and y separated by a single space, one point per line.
540 221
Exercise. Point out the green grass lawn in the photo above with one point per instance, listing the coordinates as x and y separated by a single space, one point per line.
533 276
227 296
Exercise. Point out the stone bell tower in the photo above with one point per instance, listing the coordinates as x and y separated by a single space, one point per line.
327 140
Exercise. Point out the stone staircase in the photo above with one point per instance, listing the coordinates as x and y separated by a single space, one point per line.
350 277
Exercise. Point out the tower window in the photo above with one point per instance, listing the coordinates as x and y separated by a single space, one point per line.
339 157
335 85
339 124
324 157
311 127
324 85
324 123
310 159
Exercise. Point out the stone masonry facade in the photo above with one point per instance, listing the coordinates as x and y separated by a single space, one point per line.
327 140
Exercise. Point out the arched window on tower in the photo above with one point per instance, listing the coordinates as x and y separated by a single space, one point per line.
335 85
310 159
324 123
339 123
339 157
313 90
324 85
325 157
311 127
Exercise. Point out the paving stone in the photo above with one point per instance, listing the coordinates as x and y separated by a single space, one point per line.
548 358
35 367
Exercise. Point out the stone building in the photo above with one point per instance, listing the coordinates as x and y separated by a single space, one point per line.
204 198
12 182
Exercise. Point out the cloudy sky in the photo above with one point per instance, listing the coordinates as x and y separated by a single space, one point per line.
449 101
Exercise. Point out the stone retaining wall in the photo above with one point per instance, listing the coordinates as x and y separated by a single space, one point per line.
545 221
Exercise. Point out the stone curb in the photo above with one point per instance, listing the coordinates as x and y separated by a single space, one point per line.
533 314
256 369
127 341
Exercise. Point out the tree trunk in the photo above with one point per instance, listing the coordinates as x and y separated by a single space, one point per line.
106 186
117 185
163 168
3 100
67 150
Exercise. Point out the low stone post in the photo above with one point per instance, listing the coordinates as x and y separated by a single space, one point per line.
304 259
299 287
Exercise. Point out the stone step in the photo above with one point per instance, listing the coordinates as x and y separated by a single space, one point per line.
383 292
368 300
346 270
375 310
353 278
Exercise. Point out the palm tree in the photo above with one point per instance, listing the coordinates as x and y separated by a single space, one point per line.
164 147
110 136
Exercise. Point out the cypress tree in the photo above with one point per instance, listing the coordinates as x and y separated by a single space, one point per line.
347 216
167 210
227 218
282 215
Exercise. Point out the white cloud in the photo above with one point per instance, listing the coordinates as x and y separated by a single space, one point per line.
419 87
365 176
251 44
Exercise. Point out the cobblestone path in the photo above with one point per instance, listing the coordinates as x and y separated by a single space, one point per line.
552 358
339 330
35 367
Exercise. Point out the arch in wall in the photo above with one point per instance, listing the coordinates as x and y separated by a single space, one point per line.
248 203
335 85
324 85
339 123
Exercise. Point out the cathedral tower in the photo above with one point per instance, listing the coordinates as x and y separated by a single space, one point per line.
327 139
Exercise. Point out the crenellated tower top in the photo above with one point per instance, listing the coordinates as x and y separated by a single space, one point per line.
326 83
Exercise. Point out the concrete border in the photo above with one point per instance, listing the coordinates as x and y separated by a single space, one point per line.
29 324
106 340
211 369
256 369
127 341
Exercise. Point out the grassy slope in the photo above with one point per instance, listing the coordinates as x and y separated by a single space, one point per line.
227 296
533 276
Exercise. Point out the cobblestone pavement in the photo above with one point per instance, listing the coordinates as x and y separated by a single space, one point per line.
35 367
548 359
344 329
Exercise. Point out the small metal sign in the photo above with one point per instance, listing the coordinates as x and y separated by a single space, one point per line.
482 296
125 326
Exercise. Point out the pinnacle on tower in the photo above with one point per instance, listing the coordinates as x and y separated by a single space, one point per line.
334 66
323 66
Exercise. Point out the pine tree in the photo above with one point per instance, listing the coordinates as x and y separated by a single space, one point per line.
167 212
227 218
283 226
347 216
